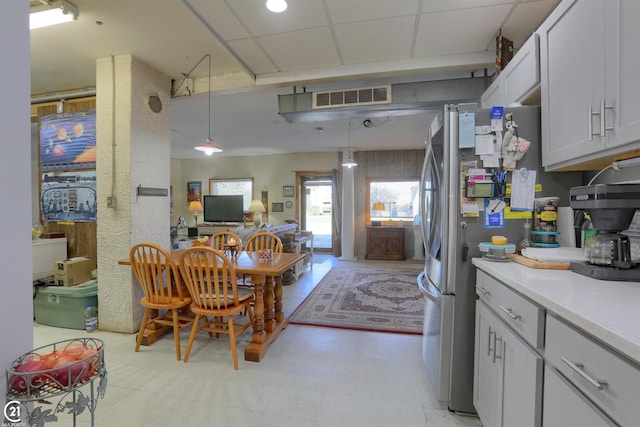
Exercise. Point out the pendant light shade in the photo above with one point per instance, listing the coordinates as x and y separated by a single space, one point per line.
208 147
349 163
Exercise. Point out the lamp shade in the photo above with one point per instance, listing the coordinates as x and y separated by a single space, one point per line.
208 147
195 206
257 206
378 206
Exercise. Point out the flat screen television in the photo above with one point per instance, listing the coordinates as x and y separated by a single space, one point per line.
223 208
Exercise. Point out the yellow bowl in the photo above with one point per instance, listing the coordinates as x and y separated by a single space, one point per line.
498 240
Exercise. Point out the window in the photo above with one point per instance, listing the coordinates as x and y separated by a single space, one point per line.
232 186
392 199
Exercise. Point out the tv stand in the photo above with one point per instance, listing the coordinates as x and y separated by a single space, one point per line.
211 228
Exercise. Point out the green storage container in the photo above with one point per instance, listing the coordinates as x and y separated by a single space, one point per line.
63 306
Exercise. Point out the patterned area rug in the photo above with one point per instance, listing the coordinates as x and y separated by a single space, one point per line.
369 299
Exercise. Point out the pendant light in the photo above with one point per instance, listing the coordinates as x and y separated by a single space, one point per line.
349 163
208 146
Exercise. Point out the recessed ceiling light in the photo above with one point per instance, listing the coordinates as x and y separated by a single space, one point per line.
277 6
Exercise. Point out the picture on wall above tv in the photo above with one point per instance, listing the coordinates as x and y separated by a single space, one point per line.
223 208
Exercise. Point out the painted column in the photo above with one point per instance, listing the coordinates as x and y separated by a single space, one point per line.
16 292
348 211
133 144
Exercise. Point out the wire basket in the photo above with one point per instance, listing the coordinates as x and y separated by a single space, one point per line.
57 370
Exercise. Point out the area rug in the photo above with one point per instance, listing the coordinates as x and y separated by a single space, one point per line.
369 299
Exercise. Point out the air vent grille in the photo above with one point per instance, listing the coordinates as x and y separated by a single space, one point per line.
351 97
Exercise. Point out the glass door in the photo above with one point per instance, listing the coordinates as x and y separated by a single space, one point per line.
317 209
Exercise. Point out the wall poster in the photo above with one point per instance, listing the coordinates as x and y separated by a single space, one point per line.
68 141
68 196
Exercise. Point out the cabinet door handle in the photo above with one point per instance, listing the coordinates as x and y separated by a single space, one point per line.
591 114
603 108
483 291
578 367
495 348
489 343
509 313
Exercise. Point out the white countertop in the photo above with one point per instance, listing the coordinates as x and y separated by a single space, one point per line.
607 310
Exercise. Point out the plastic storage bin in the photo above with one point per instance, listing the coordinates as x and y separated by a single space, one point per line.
64 306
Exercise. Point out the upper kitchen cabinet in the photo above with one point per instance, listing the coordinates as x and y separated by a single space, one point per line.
519 79
590 96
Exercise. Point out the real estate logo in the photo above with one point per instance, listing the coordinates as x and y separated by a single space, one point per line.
12 411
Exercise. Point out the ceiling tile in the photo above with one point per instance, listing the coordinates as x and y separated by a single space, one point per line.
473 31
249 51
220 17
301 50
378 40
533 12
342 11
444 5
299 15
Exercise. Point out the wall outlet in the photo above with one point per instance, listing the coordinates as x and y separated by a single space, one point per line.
111 202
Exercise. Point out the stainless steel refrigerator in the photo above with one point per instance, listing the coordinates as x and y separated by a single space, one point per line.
448 280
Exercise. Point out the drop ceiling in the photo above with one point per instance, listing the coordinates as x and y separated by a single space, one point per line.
313 45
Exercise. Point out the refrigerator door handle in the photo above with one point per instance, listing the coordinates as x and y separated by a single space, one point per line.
430 292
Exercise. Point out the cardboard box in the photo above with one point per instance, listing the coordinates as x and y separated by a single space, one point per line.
64 307
72 271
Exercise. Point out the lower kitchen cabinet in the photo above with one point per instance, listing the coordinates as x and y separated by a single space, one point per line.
564 405
508 374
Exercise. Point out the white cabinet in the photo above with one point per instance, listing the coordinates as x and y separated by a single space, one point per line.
589 89
596 373
519 79
45 252
565 406
507 388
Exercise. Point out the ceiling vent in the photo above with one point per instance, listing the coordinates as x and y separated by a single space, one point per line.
352 97
377 101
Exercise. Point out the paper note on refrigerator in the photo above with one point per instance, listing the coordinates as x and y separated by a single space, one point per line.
466 129
523 187
485 145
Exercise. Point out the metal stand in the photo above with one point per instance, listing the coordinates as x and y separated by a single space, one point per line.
29 392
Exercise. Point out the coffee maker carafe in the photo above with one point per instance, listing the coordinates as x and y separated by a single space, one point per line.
611 208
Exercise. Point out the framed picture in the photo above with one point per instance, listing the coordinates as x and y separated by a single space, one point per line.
194 191
287 191
277 207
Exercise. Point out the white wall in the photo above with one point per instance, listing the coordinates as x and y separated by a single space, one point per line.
271 172
16 303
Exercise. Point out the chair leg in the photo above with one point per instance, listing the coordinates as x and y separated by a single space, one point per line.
192 335
143 326
232 341
176 332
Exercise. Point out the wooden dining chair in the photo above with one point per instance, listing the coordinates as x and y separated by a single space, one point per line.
211 280
160 280
262 240
219 240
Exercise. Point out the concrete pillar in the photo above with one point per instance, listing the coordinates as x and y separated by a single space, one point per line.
133 149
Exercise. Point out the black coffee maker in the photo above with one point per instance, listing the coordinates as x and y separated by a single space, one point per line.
611 208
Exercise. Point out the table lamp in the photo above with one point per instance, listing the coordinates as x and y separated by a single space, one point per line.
196 208
378 207
257 208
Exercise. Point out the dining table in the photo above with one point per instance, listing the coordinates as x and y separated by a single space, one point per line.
266 279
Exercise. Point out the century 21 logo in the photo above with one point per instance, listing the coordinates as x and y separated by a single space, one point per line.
12 411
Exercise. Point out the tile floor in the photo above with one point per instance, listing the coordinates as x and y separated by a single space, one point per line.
310 376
